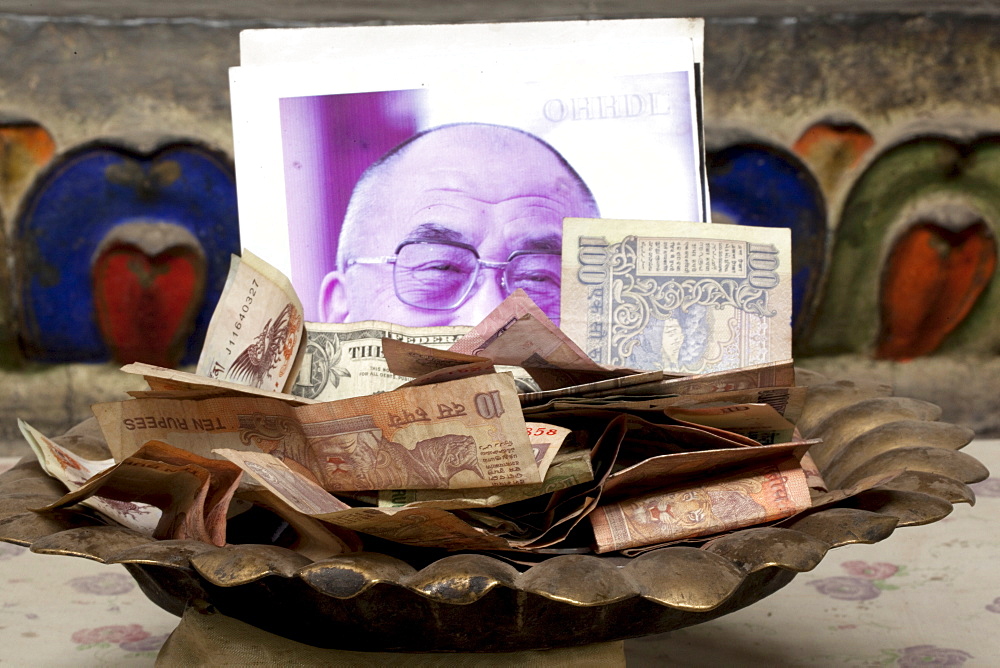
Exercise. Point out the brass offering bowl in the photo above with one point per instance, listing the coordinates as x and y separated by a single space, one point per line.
479 603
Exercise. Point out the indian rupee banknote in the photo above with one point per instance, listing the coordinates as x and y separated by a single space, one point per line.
459 434
681 297
519 333
744 498
74 471
192 492
256 329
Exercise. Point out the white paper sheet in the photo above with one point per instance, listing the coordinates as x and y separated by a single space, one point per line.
617 99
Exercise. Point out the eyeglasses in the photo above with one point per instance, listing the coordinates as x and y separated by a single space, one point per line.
440 276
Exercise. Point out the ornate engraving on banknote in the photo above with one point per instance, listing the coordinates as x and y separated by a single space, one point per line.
278 435
256 329
265 431
271 348
355 449
676 296
665 309
321 364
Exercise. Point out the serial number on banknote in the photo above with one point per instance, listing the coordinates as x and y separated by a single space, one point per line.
243 312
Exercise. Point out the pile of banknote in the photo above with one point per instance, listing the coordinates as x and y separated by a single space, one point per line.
507 437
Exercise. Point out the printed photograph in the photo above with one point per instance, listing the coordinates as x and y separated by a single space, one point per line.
428 207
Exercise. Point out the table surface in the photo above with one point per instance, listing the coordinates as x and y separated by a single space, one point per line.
927 596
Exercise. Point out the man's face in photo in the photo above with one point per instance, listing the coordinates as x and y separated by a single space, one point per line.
409 245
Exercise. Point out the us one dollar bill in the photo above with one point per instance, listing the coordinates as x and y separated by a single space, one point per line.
681 297
343 360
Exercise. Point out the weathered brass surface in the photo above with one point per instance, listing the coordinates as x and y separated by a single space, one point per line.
476 602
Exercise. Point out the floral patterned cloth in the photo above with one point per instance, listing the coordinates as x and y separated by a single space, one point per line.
926 596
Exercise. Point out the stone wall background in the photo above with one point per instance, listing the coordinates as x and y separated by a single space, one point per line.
144 72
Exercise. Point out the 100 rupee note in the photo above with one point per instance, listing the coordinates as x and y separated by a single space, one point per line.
684 297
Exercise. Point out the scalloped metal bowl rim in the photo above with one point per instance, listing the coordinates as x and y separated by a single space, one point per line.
637 589
407 578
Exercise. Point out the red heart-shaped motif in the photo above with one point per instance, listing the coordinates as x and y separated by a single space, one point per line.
932 279
146 305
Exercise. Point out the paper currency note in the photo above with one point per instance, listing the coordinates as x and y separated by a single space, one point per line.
682 297
742 499
74 471
546 440
346 360
570 467
760 422
427 527
772 374
414 360
193 492
588 389
170 383
787 401
256 328
425 521
667 470
427 365
518 333
814 478
546 444
464 433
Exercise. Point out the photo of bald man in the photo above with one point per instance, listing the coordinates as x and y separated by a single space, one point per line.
440 229
426 207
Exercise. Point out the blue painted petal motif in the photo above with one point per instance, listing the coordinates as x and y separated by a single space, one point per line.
178 201
757 184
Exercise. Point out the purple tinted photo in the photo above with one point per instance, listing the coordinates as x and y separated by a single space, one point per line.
421 227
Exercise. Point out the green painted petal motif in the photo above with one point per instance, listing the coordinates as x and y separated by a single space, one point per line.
926 180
